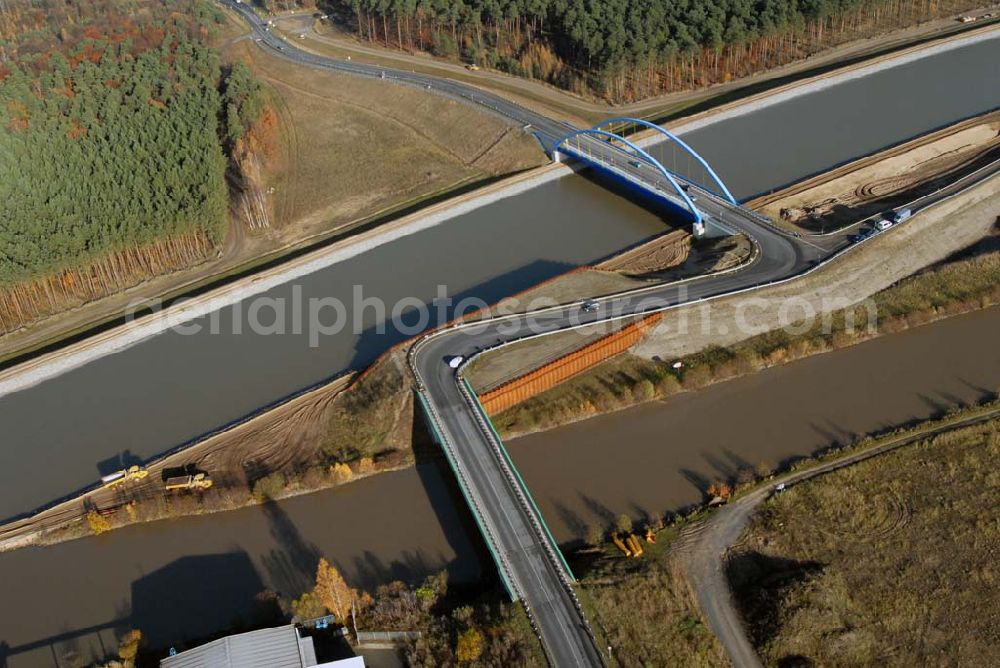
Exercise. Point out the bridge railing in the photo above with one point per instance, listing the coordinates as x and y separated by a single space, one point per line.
499 558
674 139
541 529
506 574
595 135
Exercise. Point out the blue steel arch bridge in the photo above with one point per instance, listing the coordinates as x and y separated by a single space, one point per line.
667 171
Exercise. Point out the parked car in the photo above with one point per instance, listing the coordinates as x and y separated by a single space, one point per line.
455 361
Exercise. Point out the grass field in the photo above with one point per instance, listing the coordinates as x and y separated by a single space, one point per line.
353 153
355 148
643 609
892 561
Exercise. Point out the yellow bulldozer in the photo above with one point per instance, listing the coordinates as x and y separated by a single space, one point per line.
131 474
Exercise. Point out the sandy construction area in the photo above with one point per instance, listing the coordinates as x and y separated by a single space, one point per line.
886 180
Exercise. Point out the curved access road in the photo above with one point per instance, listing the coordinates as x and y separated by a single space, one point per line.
526 555
547 129
703 547
860 53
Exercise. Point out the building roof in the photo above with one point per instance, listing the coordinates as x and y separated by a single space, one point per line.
353 662
266 648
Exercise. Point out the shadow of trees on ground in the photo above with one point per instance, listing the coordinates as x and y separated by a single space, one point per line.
760 584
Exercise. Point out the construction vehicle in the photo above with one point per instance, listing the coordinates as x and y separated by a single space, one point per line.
650 535
472 67
621 546
134 472
634 545
196 481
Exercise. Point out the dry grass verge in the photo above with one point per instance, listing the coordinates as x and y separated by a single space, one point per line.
644 610
887 562
359 148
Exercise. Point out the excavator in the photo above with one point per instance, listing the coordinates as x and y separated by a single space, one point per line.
621 546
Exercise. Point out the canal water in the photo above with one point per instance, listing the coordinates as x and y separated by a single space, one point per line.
61 435
190 577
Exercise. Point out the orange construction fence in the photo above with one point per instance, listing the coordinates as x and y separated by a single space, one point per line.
559 370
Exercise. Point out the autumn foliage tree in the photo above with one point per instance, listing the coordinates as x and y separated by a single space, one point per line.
128 648
366 466
720 489
469 646
334 592
308 606
113 139
341 473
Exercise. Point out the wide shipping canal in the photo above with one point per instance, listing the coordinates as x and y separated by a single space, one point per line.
190 577
160 393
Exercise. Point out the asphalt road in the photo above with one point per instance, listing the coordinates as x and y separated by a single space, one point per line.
526 555
548 129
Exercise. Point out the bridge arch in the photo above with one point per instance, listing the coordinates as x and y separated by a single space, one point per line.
724 191
638 152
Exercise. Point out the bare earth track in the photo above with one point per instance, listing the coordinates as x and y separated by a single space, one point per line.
704 546
867 187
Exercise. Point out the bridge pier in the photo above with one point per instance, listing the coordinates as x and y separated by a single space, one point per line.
711 229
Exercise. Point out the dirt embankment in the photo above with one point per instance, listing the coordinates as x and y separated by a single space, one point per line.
927 238
655 255
886 180
350 427
677 254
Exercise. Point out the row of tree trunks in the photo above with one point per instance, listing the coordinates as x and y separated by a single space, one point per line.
515 37
710 66
24 303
